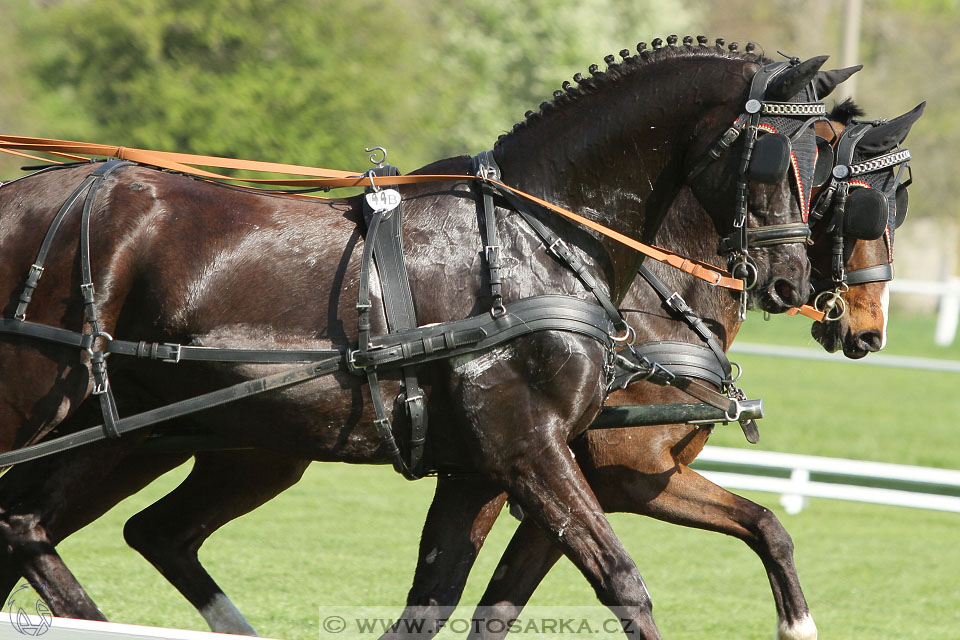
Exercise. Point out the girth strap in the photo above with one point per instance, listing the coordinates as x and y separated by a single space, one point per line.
386 238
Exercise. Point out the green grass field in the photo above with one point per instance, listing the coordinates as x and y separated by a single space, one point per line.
347 536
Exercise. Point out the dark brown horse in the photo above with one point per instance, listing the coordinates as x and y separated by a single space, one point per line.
181 261
645 470
224 485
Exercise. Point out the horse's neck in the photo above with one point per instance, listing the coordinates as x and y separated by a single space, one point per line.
616 155
688 230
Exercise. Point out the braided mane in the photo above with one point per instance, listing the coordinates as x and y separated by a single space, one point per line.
598 79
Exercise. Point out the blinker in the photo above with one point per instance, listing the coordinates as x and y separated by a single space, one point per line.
770 159
865 214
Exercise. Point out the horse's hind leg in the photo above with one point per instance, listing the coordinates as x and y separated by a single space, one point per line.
221 487
32 496
691 500
680 496
461 514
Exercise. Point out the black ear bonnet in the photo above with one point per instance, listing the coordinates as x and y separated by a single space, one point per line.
876 185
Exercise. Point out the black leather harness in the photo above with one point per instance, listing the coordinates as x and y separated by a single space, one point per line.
405 347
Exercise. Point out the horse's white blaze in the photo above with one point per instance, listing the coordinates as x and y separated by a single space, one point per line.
885 311
224 617
802 629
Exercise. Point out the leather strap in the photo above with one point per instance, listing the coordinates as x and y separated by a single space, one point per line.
387 240
329 178
178 409
680 309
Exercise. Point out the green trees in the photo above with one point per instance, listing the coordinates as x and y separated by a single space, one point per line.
305 81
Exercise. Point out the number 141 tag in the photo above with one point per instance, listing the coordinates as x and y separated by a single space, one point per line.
383 200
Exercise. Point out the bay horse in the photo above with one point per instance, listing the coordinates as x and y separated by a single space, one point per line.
181 260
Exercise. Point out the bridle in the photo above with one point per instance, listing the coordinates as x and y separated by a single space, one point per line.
865 205
764 159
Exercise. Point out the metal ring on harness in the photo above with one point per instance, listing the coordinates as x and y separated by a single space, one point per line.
99 334
739 371
628 338
832 304
746 267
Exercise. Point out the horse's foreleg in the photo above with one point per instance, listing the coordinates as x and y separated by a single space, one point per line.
461 514
691 500
221 487
554 493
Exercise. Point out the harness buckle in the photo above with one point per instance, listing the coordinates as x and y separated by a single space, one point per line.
352 365
34 274
174 356
558 247
493 250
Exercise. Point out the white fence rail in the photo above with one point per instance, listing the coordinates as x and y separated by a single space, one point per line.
906 486
948 312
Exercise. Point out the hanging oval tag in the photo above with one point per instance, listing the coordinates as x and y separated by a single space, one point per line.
383 200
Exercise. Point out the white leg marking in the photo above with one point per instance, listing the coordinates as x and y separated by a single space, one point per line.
802 629
885 310
224 617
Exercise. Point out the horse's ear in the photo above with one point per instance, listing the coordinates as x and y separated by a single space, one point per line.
792 81
887 135
827 81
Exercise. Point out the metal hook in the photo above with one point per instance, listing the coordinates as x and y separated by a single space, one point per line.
373 156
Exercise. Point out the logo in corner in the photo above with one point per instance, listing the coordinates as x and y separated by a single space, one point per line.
33 624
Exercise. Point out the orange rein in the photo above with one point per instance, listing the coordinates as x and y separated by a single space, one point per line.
183 163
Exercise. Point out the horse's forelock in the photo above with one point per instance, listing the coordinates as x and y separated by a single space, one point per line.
846 111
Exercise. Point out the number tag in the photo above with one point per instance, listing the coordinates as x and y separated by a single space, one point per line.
383 200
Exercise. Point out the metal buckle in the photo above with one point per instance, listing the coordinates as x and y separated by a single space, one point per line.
676 302
558 243
174 356
487 250
100 389
35 272
352 362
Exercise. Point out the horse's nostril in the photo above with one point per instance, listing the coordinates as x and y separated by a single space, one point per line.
870 340
785 291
